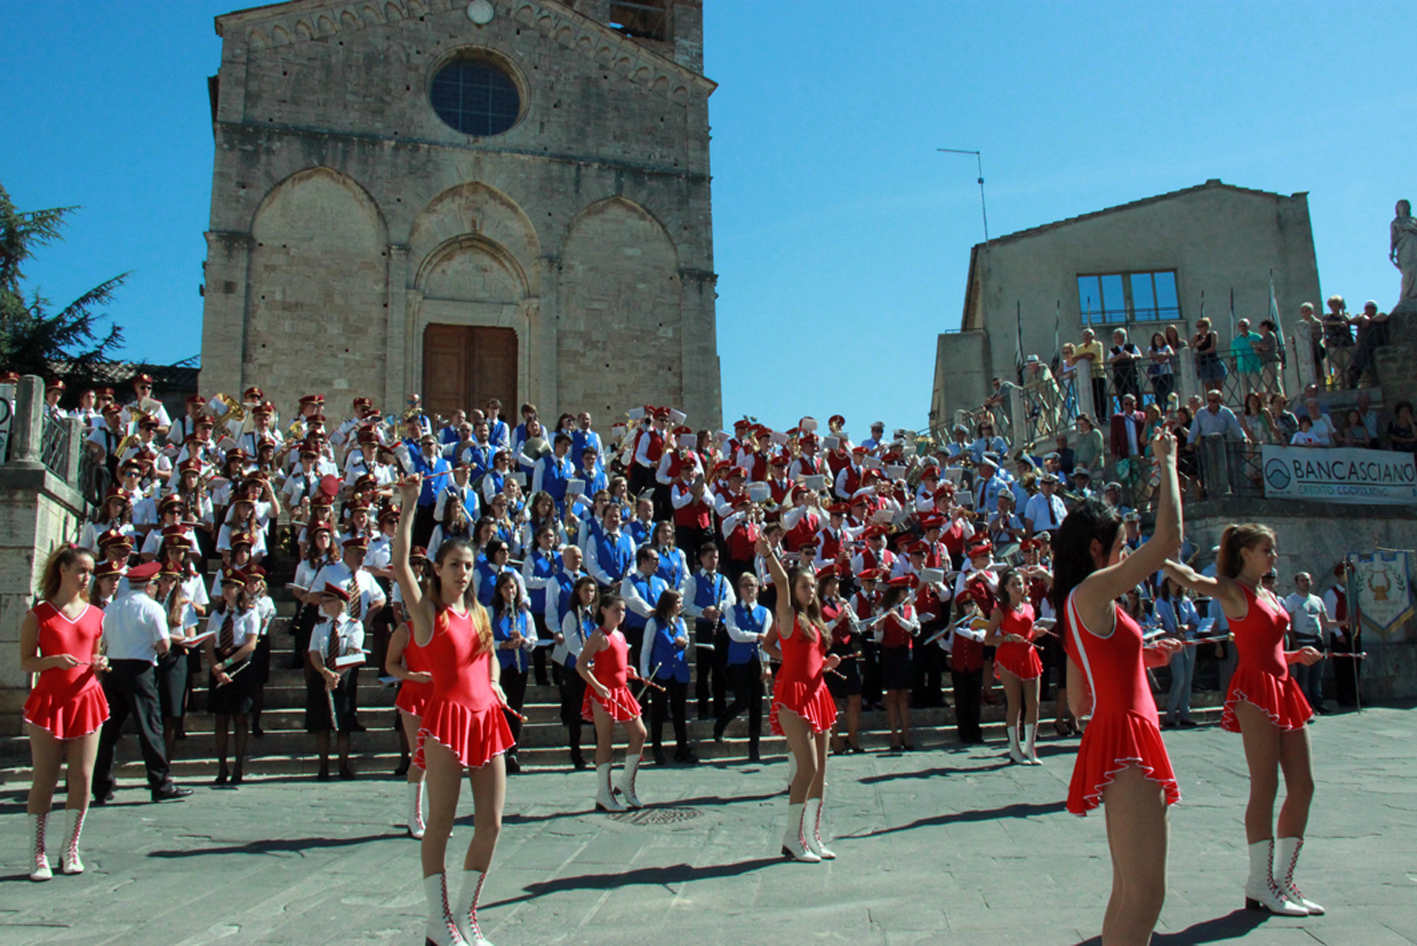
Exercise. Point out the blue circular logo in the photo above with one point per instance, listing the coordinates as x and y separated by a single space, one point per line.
1276 474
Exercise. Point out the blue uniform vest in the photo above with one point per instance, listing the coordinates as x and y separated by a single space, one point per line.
542 566
649 589
641 532
486 580
615 557
502 631
746 620
564 583
671 567
555 474
709 591
666 654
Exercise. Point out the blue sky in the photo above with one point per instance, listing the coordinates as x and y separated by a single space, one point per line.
841 235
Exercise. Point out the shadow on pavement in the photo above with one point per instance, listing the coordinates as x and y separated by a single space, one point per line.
280 846
1234 925
644 876
955 817
938 770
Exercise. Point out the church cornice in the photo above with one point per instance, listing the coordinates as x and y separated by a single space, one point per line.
265 129
300 21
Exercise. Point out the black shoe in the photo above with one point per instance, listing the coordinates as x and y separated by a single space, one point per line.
323 775
104 797
578 762
257 731
513 766
236 775
754 755
718 733
658 755
221 778
357 726
686 757
1189 724
402 770
346 773
170 792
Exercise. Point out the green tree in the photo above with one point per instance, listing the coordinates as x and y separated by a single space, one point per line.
35 339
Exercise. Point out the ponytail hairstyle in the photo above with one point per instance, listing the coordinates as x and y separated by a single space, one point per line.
499 604
664 608
65 556
1072 547
1236 538
481 623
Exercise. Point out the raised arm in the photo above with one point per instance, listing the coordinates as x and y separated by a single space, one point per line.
1228 593
409 489
785 614
1095 595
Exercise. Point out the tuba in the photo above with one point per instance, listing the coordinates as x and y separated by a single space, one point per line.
226 408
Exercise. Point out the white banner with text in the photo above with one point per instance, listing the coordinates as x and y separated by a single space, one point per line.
1339 474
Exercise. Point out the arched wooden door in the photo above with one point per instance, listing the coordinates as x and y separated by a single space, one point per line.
465 366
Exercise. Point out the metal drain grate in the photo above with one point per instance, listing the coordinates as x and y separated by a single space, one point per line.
646 816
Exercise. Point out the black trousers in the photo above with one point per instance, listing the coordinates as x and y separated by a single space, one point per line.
747 683
572 697
673 696
929 669
710 686
967 687
871 690
539 656
514 685
131 689
423 523
1346 669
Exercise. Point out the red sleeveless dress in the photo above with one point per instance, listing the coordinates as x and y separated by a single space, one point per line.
462 712
800 688
611 668
1261 674
67 703
1124 730
413 697
1021 660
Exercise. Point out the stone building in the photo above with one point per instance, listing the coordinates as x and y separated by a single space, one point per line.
1139 266
470 200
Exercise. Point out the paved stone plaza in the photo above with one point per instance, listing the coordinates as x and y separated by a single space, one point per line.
935 846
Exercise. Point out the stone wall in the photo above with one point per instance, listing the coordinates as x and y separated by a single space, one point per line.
346 216
1314 537
38 513
1215 237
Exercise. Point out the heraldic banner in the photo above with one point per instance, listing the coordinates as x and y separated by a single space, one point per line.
1381 584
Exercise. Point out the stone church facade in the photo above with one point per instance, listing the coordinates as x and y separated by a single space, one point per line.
469 200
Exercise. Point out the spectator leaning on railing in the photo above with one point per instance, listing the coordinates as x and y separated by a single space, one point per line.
1090 351
1402 430
1216 418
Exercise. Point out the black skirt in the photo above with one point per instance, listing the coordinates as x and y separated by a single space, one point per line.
848 684
234 698
317 704
897 668
172 682
261 662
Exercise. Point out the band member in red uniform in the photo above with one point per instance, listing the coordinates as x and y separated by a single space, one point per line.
604 664
802 709
1266 706
895 633
59 640
1016 662
1122 761
845 629
464 728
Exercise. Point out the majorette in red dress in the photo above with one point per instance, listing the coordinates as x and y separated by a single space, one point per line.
611 667
413 697
800 688
67 702
462 713
1021 660
1261 674
1124 729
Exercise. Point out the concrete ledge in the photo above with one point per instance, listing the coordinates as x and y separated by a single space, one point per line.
41 480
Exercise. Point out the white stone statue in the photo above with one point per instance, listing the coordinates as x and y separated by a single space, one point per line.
1404 253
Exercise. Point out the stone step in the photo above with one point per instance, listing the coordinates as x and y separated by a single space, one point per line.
288 752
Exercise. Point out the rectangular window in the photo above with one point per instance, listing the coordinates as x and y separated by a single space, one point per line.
645 19
1118 298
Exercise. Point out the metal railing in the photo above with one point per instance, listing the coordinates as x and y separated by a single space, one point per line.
54 447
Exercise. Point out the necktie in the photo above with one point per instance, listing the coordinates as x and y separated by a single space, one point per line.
356 603
227 640
332 651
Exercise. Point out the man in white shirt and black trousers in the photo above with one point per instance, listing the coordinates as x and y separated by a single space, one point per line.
135 634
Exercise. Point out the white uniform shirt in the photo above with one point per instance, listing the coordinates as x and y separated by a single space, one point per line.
134 626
